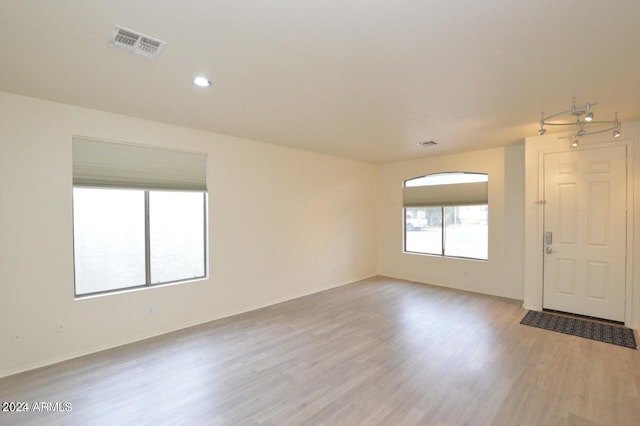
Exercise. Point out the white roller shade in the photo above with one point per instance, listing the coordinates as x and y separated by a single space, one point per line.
116 165
458 194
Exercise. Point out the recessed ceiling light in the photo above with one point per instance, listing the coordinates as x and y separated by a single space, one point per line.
201 81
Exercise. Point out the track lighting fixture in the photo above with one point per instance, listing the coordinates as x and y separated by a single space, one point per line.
582 117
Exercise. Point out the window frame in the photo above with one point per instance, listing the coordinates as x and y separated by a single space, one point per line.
442 208
147 249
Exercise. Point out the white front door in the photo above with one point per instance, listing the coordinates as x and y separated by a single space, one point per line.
585 196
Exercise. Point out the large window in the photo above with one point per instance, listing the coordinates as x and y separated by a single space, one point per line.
446 214
139 216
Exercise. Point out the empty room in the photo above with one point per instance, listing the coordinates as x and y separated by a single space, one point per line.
319 213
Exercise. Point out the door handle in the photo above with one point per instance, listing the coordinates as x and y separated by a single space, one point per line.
548 250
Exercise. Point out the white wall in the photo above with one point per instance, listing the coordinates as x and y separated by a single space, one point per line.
502 274
534 147
283 223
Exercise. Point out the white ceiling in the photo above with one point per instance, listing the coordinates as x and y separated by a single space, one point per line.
363 79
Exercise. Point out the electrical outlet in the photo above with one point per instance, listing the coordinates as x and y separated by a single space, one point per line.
60 328
16 338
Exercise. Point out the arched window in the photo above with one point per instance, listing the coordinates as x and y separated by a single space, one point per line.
446 214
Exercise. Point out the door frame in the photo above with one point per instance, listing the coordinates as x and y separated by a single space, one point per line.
539 203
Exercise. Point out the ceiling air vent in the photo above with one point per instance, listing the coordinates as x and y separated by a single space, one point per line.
134 42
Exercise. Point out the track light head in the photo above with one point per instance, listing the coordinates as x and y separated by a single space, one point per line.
616 131
574 143
580 132
542 129
589 117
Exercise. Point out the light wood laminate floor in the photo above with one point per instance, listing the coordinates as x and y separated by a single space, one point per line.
380 351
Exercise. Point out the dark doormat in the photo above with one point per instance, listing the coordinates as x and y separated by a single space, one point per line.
616 335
